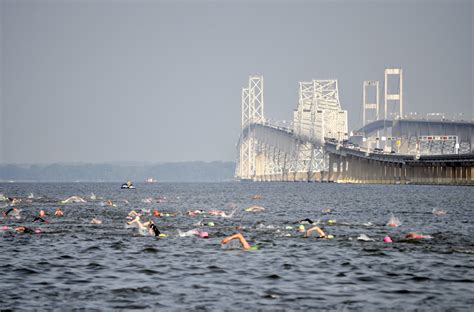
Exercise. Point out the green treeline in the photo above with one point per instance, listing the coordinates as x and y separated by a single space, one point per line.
167 172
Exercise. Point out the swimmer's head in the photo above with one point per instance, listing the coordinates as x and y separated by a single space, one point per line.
210 223
203 234
331 222
387 239
301 228
42 213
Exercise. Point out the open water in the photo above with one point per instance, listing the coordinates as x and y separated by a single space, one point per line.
73 264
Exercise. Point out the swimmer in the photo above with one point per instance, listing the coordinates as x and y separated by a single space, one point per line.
93 197
161 199
39 219
240 237
42 214
301 228
73 199
221 213
414 235
254 209
96 221
256 196
31 196
393 221
3 197
202 234
24 229
14 201
148 200
110 203
199 223
195 212
326 210
439 212
149 225
156 213
12 212
305 221
59 212
365 238
317 229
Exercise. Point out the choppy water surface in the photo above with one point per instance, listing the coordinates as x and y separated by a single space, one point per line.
75 264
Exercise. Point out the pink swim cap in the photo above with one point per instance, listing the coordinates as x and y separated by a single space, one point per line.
37 231
387 239
4 227
203 234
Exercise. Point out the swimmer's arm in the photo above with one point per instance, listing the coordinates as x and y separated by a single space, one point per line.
238 236
317 229
136 220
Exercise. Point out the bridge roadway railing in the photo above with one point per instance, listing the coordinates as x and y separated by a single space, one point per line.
281 160
347 165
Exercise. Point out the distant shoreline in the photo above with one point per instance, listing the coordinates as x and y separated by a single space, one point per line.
196 171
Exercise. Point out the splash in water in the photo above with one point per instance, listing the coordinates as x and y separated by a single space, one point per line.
393 221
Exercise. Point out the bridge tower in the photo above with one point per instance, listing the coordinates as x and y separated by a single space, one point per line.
393 97
252 112
369 105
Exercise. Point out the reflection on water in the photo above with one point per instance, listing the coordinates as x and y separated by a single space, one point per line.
74 263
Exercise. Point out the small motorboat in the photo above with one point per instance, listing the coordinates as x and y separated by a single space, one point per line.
127 185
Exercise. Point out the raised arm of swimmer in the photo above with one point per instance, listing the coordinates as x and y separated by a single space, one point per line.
317 229
238 236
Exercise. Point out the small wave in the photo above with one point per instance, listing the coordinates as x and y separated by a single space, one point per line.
148 272
150 250
273 276
25 271
131 290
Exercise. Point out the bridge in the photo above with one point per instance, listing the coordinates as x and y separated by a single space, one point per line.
316 146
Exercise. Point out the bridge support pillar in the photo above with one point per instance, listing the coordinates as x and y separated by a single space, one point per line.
380 172
358 170
337 169
384 173
402 174
465 170
331 168
343 175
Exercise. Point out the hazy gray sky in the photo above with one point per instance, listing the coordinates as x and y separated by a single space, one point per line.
101 81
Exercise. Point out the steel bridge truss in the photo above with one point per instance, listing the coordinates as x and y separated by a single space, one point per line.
271 153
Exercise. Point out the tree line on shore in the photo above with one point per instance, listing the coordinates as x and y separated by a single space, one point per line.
196 171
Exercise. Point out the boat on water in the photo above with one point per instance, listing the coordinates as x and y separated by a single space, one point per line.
128 185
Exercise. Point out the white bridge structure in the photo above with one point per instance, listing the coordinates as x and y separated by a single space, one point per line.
317 148
267 152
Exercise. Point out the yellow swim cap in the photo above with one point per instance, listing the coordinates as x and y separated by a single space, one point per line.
163 235
330 236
